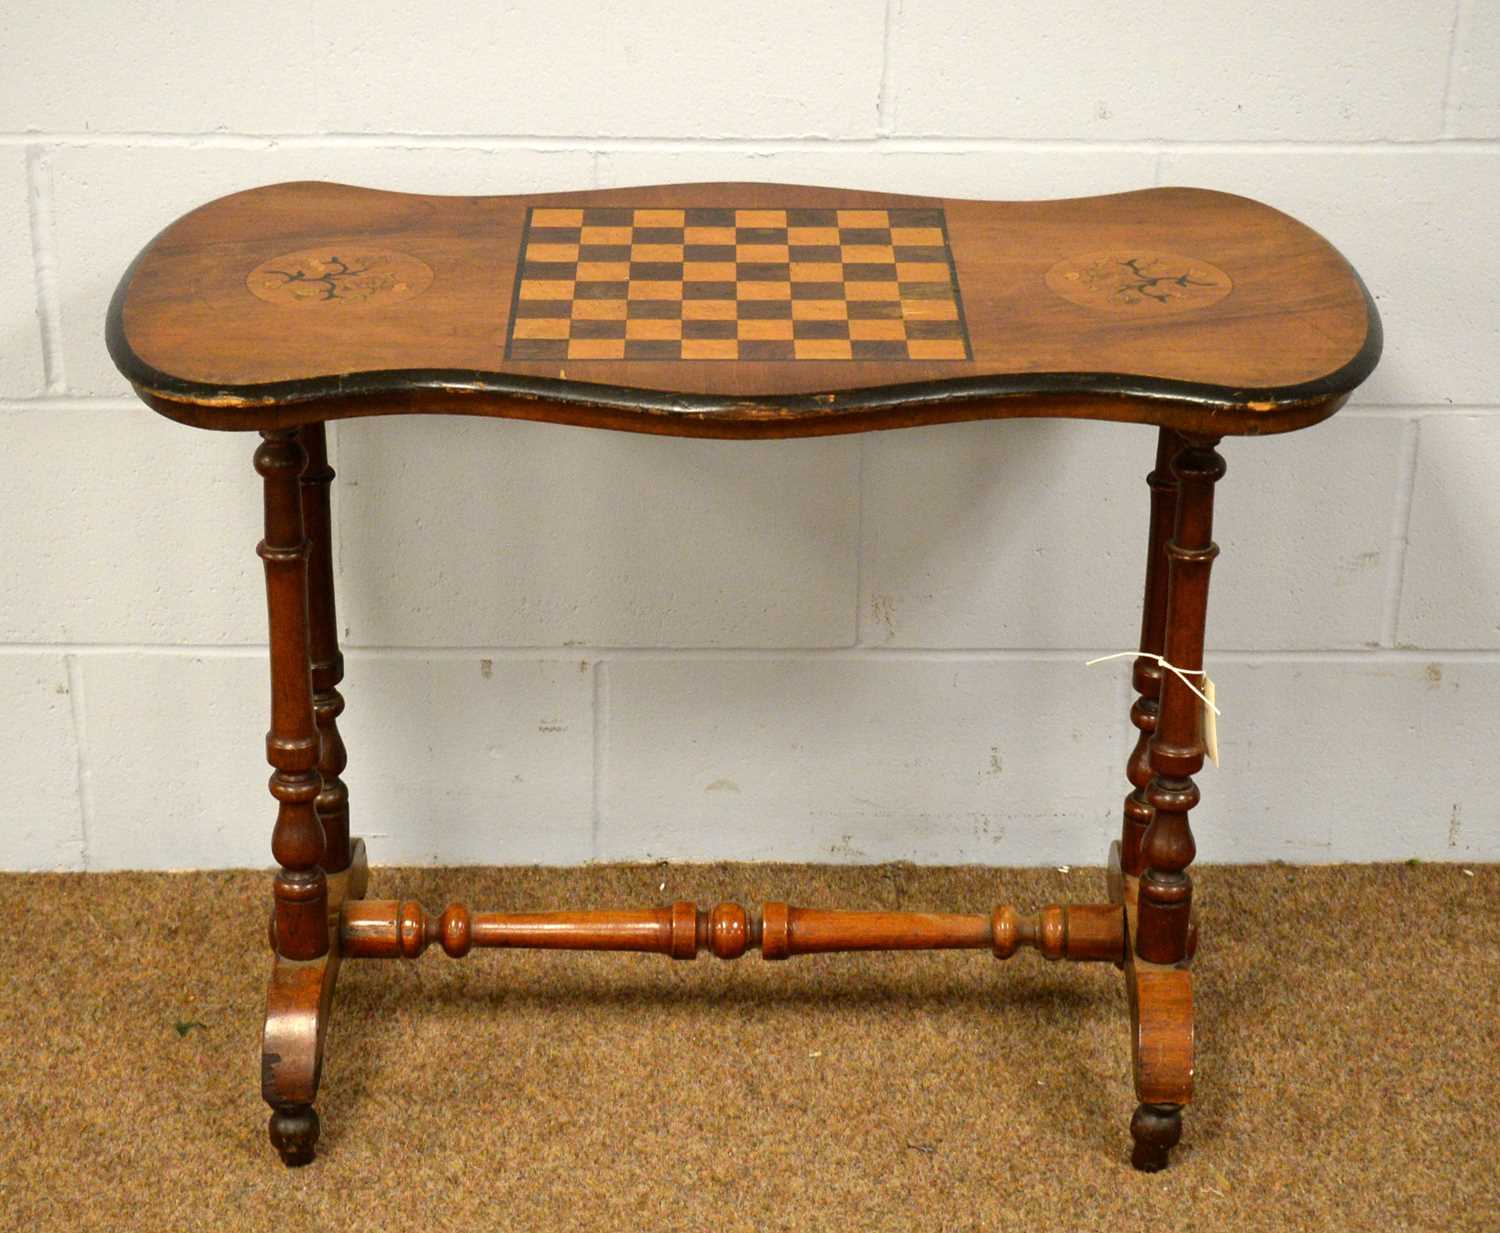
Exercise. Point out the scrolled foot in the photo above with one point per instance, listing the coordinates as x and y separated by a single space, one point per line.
294 1133
1156 1129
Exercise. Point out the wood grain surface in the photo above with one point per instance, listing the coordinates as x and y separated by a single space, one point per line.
300 302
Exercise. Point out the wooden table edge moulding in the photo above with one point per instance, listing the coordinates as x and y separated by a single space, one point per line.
743 311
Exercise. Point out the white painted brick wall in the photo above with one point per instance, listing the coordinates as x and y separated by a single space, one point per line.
127 530
1283 70
1451 597
1345 757
1474 92
21 368
614 68
45 802
537 535
934 168
856 758
1026 536
566 645
493 753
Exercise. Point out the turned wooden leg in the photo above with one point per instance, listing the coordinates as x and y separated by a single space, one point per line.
323 643
1158 900
1176 753
300 927
1146 677
292 744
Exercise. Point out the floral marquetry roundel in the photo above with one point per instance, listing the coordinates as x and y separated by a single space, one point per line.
1139 282
326 277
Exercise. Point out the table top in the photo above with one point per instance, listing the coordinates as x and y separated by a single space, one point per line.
742 310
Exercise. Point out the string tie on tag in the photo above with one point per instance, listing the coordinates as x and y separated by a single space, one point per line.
1181 673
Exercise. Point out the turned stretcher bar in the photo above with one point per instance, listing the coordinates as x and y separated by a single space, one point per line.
390 928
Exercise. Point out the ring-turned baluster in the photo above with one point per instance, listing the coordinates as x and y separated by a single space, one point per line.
1166 890
1147 672
292 744
323 645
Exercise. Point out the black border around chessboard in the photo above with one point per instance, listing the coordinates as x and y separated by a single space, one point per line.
682 301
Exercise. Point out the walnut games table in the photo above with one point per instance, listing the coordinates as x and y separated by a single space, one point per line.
737 311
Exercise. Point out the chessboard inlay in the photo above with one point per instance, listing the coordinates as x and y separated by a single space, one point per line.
618 283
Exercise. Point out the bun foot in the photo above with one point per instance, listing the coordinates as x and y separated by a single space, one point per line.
294 1133
1156 1129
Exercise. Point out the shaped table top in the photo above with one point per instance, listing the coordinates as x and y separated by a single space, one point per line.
742 310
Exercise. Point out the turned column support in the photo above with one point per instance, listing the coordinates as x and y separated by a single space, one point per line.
1176 748
1147 673
323 647
389 929
292 744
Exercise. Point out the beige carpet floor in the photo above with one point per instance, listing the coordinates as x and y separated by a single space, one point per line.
1349 1065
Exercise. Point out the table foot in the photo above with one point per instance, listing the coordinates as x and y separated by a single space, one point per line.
294 1133
299 1003
1155 1129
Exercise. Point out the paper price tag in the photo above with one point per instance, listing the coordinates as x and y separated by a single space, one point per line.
1210 721
1208 728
